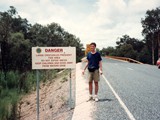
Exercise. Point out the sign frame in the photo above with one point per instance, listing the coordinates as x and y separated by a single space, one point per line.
53 57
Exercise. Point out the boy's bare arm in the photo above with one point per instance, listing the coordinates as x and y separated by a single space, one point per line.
85 68
100 67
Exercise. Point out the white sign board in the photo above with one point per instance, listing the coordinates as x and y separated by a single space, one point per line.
53 57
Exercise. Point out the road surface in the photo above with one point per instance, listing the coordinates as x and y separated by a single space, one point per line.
138 88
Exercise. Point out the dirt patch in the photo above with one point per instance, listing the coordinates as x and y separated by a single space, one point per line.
53 100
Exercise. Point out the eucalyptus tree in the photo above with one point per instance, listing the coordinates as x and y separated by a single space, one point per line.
151 31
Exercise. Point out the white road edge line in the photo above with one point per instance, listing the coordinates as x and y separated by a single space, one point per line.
120 101
130 68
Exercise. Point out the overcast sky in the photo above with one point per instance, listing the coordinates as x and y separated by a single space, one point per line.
100 21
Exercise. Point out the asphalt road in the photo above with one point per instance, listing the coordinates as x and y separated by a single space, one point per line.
137 85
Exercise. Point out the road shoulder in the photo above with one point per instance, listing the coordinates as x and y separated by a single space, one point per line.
83 108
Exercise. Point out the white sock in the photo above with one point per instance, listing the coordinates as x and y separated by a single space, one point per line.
95 96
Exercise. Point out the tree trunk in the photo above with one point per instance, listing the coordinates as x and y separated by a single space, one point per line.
152 51
3 57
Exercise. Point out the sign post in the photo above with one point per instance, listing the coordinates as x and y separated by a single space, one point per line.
70 89
37 76
53 58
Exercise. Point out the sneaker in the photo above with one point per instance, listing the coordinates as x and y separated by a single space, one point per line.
90 97
96 98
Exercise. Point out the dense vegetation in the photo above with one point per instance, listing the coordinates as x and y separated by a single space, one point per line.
17 36
146 50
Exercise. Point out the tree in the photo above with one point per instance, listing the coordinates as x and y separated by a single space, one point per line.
21 25
136 44
144 56
20 49
132 48
55 35
151 31
108 51
5 30
38 35
126 50
10 24
71 40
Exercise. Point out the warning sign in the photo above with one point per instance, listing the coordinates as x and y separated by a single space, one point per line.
53 57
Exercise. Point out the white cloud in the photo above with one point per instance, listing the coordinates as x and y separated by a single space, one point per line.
41 11
116 18
102 21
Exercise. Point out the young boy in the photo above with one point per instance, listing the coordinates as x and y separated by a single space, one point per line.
94 66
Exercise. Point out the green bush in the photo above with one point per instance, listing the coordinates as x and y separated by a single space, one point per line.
4 109
3 82
8 104
13 79
29 82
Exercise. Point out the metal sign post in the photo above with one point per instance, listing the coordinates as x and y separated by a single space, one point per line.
70 89
37 76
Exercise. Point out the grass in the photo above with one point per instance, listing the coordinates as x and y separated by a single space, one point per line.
8 104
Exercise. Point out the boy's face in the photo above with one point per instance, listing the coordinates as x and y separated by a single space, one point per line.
92 47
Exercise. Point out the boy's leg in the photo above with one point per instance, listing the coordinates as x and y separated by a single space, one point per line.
90 88
90 85
96 80
96 88
96 91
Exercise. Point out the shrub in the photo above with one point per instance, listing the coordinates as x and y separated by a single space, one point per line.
8 103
